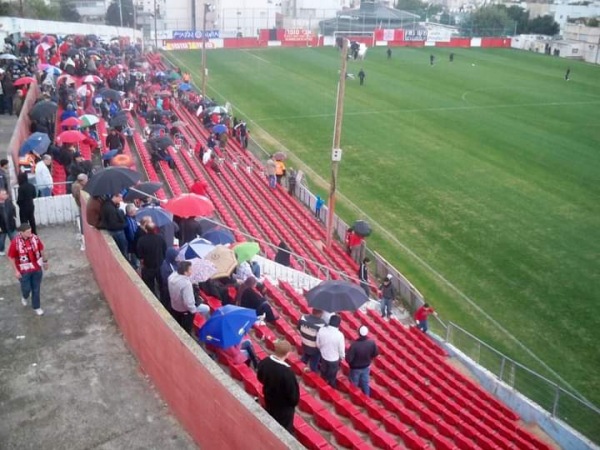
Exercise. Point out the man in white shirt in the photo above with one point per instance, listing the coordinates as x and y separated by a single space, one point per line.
183 302
43 177
331 343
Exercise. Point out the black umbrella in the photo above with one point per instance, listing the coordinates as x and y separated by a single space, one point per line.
110 94
43 110
161 143
120 120
139 191
73 52
336 295
362 228
111 180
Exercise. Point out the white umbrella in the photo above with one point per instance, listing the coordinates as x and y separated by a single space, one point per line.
8 56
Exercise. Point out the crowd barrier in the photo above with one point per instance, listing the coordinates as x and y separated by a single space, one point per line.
209 404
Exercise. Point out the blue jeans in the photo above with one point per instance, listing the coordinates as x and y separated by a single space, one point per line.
30 284
422 325
312 360
121 240
272 181
386 307
360 378
45 192
11 235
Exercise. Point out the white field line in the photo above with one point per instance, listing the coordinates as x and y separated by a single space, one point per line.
248 52
436 109
392 238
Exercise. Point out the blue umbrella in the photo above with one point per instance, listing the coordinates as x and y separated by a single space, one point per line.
36 143
219 129
185 87
160 217
110 154
219 237
51 70
197 248
227 326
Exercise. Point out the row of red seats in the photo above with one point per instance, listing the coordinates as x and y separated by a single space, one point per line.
435 399
146 159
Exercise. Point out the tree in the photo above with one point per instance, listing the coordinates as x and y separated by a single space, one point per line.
423 9
118 9
487 21
7 9
520 16
544 25
38 9
447 19
68 12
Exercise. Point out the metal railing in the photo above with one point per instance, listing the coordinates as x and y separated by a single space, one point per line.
558 402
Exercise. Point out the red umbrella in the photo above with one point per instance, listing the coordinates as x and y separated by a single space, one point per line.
190 205
71 122
94 79
70 137
24 80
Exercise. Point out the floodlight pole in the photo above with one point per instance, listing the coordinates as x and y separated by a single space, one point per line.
336 152
207 7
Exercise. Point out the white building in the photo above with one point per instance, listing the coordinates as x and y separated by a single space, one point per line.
564 10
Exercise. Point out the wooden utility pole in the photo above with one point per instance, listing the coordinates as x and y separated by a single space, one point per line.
207 7
336 152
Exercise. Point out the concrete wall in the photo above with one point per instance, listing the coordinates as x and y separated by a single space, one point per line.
21 132
214 410
10 25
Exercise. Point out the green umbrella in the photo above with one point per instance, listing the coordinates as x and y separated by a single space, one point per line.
174 76
246 251
87 120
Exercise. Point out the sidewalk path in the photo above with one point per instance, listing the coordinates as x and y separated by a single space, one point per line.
67 379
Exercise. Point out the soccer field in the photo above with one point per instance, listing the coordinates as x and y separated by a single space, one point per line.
487 168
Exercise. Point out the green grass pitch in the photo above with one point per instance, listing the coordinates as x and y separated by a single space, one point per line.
487 168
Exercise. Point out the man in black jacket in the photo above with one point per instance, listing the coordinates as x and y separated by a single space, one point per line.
359 358
151 248
112 219
363 275
8 215
280 386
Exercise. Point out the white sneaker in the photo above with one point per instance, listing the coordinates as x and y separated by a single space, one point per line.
2 253
39 311
24 301
82 248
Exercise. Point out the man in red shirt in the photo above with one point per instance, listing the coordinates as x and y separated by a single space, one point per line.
421 316
26 254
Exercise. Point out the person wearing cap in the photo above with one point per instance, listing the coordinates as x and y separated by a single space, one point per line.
183 301
359 357
421 316
388 294
280 386
26 254
331 343
309 325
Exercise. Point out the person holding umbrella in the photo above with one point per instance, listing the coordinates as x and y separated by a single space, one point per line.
331 344
183 302
25 196
280 387
112 219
